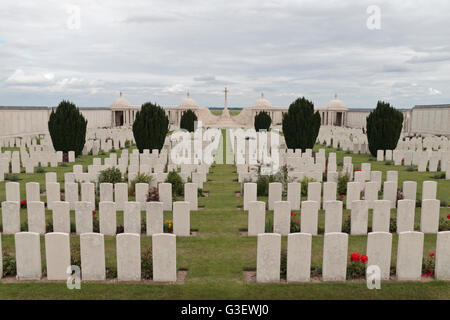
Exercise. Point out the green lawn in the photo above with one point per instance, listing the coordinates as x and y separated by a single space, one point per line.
217 256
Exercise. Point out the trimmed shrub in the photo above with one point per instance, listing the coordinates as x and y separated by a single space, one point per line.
110 175
150 127
301 125
188 120
262 121
67 128
384 125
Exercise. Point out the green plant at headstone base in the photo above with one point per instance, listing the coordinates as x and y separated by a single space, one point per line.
342 184
304 185
67 128
177 183
111 272
262 121
12 177
301 125
356 268
147 264
110 175
384 125
39 169
150 127
140 178
283 264
392 225
9 263
346 226
268 226
444 223
187 120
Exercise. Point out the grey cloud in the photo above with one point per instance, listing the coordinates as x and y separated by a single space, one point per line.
157 50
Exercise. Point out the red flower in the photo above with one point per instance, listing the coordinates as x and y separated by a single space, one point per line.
93 212
293 213
448 217
355 257
358 170
364 258
95 218
23 202
342 196
431 254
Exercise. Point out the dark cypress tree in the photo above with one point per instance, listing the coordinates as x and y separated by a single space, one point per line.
384 125
150 127
67 128
301 125
188 120
262 121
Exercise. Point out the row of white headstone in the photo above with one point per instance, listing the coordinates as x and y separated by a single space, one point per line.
354 191
84 217
422 159
92 248
359 217
117 192
335 249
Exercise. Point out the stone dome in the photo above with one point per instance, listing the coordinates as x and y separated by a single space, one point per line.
120 103
188 103
336 105
262 103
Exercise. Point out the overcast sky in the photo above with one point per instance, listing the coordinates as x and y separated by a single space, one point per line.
157 50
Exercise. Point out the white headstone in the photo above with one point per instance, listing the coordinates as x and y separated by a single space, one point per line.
154 218
379 247
282 217
132 217
61 217
333 216
92 248
275 190
165 195
83 217
128 257
36 217
108 219
164 257
405 215
57 254
334 266
429 217
28 256
10 217
256 217
299 257
359 217
409 255
442 269
181 218
309 217
268 257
